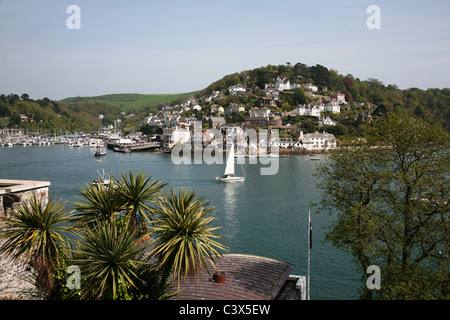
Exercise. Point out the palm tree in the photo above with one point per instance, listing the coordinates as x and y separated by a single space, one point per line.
38 233
140 194
99 202
184 238
110 256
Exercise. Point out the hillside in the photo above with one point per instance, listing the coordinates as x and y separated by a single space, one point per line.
363 98
130 101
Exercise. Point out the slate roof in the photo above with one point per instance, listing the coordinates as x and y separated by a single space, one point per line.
248 277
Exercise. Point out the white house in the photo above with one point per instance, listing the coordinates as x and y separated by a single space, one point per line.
310 87
175 135
333 107
326 121
282 84
309 110
239 88
196 107
317 141
284 143
154 121
259 112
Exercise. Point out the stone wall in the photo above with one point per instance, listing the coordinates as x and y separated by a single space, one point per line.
16 277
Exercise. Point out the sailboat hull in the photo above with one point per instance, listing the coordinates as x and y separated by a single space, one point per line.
230 179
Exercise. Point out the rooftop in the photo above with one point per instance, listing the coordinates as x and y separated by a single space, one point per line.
247 277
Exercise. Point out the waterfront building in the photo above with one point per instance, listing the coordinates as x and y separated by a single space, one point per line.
317 141
175 135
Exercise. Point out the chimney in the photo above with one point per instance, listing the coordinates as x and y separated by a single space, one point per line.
219 277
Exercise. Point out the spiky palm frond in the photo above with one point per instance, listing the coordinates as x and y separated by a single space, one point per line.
140 194
99 202
184 237
110 258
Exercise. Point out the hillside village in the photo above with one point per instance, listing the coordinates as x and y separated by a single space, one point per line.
310 106
216 111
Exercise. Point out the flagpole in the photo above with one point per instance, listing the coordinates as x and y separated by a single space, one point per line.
309 249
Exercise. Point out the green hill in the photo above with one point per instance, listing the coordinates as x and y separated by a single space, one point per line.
130 101
362 96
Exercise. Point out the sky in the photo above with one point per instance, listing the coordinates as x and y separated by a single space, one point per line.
177 46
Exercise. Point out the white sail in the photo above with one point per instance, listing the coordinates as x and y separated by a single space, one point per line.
229 169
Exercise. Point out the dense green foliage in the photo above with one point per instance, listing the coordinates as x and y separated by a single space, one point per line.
45 115
80 114
390 193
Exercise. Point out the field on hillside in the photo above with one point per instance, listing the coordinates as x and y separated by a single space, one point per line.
127 101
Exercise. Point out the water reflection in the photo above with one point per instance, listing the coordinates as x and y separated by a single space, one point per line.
230 208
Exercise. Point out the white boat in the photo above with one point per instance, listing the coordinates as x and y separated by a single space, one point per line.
229 169
100 151
103 179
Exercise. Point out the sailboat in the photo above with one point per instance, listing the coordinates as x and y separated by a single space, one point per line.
229 169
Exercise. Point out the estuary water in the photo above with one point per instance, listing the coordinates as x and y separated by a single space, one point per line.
266 215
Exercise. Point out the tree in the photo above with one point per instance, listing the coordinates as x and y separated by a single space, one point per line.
99 202
299 96
348 81
184 238
140 193
110 256
320 75
4 110
37 232
124 215
390 191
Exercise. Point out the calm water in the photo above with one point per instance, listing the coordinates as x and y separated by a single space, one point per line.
265 215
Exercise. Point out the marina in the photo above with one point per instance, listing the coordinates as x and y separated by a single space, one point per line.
263 215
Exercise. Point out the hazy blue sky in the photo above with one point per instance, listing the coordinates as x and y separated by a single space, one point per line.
180 46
